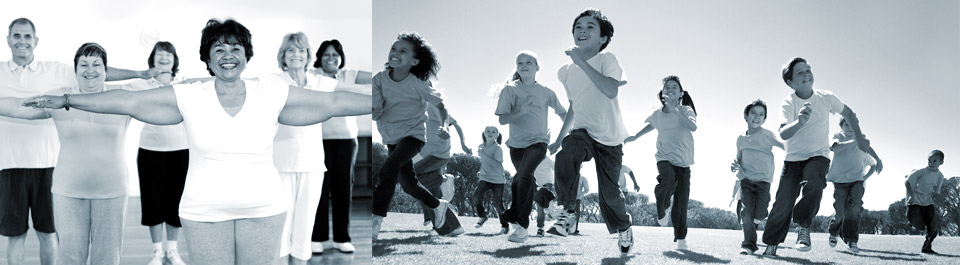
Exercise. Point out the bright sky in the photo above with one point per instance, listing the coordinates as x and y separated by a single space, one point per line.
893 62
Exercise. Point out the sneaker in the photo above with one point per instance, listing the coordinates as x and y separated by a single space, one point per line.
853 247
626 240
440 214
572 222
344 247
746 251
833 241
803 239
504 231
770 251
559 227
156 258
480 223
928 247
662 221
540 232
173 257
682 244
316 248
377 221
577 232
519 234
427 223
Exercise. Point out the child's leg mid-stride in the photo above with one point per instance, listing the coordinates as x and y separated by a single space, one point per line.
749 196
680 195
925 218
848 205
478 194
525 160
808 176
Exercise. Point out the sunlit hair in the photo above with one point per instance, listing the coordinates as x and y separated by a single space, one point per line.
686 100
90 49
606 27
788 68
336 47
746 111
167 47
298 40
22 20
536 60
484 137
428 66
937 153
229 31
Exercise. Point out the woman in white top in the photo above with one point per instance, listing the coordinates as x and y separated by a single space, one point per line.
340 145
90 182
233 203
162 163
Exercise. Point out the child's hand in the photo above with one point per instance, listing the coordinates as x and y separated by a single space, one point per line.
553 147
735 166
879 166
443 134
466 149
672 101
576 54
631 139
805 113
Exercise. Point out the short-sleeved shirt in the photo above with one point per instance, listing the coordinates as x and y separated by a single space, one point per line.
924 183
756 155
160 138
232 173
343 127
624 172
849 162
532 128
435 146
674 140
593 111
491 170
544 172
813 138
91 162
31 143
300 148
400 107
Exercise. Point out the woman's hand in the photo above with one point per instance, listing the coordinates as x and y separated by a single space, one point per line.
50 102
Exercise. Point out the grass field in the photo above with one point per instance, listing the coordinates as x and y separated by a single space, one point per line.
403 240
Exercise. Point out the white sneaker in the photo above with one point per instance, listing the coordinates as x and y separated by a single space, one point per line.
440 214
853 247
316 248
377 221
156 258
625 241
666 214
173 257
519 234
681 244
559 227
746 251
344 247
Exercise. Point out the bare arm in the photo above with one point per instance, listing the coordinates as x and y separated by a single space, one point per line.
154 106
854 123
609 86
636 186
870 172
567 123
687 118
117 74
12 108
645 130
364 77
463 143
879 165
307 107
787 130
519 111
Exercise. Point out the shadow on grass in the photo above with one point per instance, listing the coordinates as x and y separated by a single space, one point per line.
520 252
384 247
890 252
699 258
623 259
478 234
563 263
881 257
945 255
796 260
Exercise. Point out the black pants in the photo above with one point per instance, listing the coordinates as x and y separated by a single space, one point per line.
496 191
525 160
340 156
399 168
924 218
673 181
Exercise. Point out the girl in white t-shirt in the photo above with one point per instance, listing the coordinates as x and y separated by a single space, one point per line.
675 122
491 175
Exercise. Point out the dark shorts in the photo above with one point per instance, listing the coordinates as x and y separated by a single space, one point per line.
162 175
543 196
22 191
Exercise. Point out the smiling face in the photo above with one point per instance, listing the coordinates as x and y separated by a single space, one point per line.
755 117
91 72
527 66
295 57
586 33
330 60
22 39
227 59
163 60
802 77
672 89
402 55
490 134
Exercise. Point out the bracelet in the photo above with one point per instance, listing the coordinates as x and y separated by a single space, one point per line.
66 103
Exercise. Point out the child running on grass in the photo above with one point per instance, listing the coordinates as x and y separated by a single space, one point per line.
491 174
545 192
921 185
848 177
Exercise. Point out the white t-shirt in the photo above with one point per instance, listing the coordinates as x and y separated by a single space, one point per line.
231 173
849 162
544 172
532 128
593 110
343 127
31 143
300 148
813 138
756 155
674 140
161 138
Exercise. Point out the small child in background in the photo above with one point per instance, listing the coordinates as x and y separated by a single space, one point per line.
754 166
491 174
546 192
921 185
847 174
581 191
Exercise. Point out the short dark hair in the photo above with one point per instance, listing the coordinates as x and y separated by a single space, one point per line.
22 20
217 31
937 153
606 27
90 49
167 47
336 46
429 66
788 68
758 102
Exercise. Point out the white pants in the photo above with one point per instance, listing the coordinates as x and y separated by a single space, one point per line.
303 188
89 229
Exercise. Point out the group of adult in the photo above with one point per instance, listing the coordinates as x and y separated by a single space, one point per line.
234 171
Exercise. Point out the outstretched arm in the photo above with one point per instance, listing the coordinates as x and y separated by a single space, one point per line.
154 106
643 131
11 107
854 123
567 123
463 143
117 74
635 185
307 107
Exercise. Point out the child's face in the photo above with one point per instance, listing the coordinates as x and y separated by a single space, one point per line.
490 134
755 117
402 55
672 89
934 161
847 130
586 33
527 66
802 77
